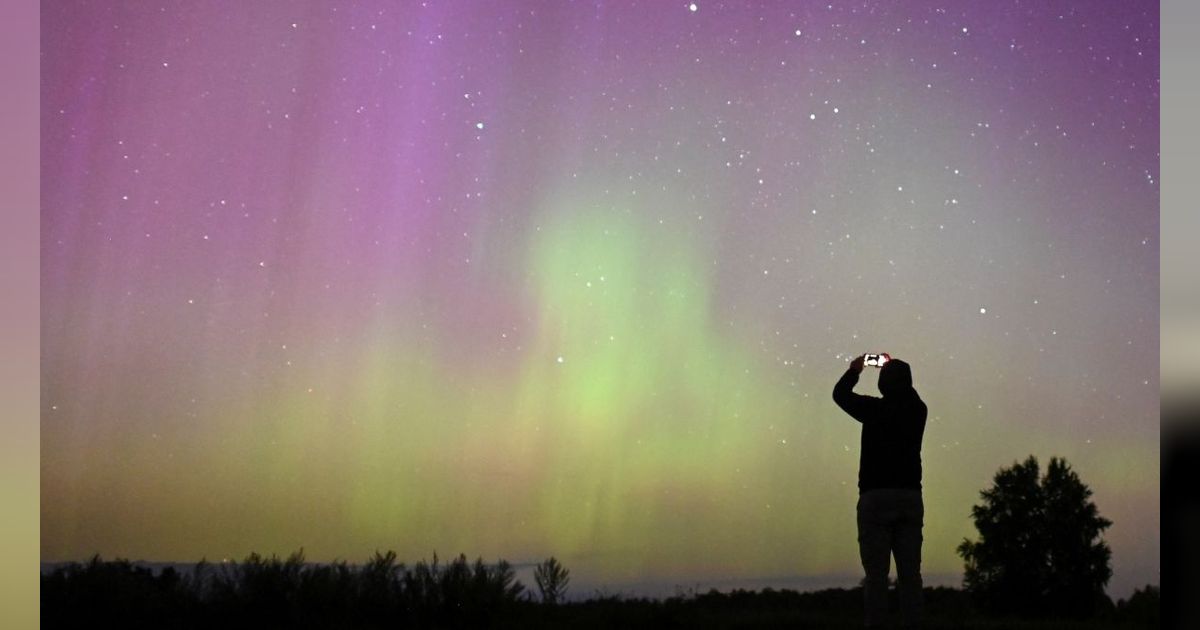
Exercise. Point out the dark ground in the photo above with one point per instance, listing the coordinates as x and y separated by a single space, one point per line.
275 593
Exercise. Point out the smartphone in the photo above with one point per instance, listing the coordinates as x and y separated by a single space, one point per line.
876 360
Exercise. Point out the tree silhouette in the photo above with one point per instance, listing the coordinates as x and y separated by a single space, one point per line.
1039 550
552 580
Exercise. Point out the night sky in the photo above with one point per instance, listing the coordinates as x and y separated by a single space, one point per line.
577 278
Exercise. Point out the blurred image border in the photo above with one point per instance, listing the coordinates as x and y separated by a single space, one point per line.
19 314
1179 329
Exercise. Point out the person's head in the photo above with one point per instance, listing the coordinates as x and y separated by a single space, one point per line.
895 378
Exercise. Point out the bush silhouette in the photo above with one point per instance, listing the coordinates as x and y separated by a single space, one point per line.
1039 550
382 593
274 592
118 591
552 580
1143 608
432 590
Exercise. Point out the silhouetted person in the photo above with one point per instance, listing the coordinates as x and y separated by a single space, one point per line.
890 509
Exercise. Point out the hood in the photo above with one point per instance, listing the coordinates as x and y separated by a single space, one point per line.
895 379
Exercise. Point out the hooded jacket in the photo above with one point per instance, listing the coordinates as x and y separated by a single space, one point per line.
892 427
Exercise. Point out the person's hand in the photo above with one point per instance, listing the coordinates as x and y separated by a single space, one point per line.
857 363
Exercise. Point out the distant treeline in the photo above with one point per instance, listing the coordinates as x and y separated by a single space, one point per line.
381 593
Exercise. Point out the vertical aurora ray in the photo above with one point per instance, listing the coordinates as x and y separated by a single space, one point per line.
309 271
630 370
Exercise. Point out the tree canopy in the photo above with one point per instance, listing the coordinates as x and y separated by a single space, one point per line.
1040 550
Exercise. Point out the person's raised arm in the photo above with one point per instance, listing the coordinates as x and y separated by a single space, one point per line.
858 406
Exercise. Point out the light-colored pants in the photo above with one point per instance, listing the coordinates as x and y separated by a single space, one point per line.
889 523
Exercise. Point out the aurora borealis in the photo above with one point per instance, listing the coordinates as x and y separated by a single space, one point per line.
577 278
